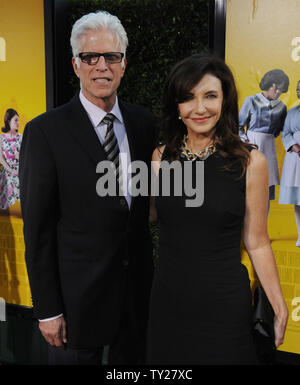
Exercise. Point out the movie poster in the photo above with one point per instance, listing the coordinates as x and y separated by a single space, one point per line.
263 51
23 96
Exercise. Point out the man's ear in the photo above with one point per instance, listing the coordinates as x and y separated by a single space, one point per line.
75 66
124 67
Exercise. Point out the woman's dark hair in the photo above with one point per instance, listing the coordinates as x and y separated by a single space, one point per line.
9 114
274 77
184 76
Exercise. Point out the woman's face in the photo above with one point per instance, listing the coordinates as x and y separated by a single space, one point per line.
298 90
274 92
202 111
14 124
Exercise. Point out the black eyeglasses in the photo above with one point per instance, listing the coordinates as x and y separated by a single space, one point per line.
92 58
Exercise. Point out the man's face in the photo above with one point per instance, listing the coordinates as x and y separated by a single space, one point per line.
99 82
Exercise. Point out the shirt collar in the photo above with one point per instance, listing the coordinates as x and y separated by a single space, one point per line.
96 113
267 102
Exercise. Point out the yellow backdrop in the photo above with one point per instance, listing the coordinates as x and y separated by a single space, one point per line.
262 35
22 79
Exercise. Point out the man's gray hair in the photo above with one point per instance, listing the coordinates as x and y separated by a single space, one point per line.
94 21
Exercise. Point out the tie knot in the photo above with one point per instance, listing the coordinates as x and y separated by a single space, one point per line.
108 118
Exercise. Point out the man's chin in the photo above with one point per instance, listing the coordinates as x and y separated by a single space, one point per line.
100 95
104 100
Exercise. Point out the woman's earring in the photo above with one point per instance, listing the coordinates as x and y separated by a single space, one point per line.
179 117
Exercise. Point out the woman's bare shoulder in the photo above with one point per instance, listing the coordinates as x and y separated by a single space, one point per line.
257 170
257 161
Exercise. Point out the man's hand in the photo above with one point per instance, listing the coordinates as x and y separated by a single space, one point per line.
54 331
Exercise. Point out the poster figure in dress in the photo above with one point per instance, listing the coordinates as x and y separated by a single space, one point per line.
290 177
261 120
10 143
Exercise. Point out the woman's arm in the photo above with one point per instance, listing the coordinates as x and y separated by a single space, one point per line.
244 117
287 133
281 122
257 241
3 162
156 159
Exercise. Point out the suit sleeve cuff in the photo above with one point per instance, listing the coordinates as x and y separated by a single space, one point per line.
51 318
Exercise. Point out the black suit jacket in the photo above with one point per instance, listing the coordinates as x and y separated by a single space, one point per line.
85 254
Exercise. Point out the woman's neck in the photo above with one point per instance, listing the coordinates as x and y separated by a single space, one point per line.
267 96
198 143
12 133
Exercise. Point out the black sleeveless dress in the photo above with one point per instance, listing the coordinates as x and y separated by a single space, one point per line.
200 309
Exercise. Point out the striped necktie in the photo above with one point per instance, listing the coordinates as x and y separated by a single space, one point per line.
111 147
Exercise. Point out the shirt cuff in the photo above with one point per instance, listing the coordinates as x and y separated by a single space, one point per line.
51 318
244 137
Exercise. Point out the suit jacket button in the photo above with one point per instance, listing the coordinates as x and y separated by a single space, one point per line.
125 262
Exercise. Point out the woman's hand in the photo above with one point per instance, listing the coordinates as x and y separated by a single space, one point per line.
280 323
296 148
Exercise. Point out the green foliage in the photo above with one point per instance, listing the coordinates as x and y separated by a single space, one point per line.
160 33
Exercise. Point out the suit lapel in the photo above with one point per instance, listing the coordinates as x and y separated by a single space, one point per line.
131 129
132 132
81 128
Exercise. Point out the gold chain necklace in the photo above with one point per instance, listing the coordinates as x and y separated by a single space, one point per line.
202 154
